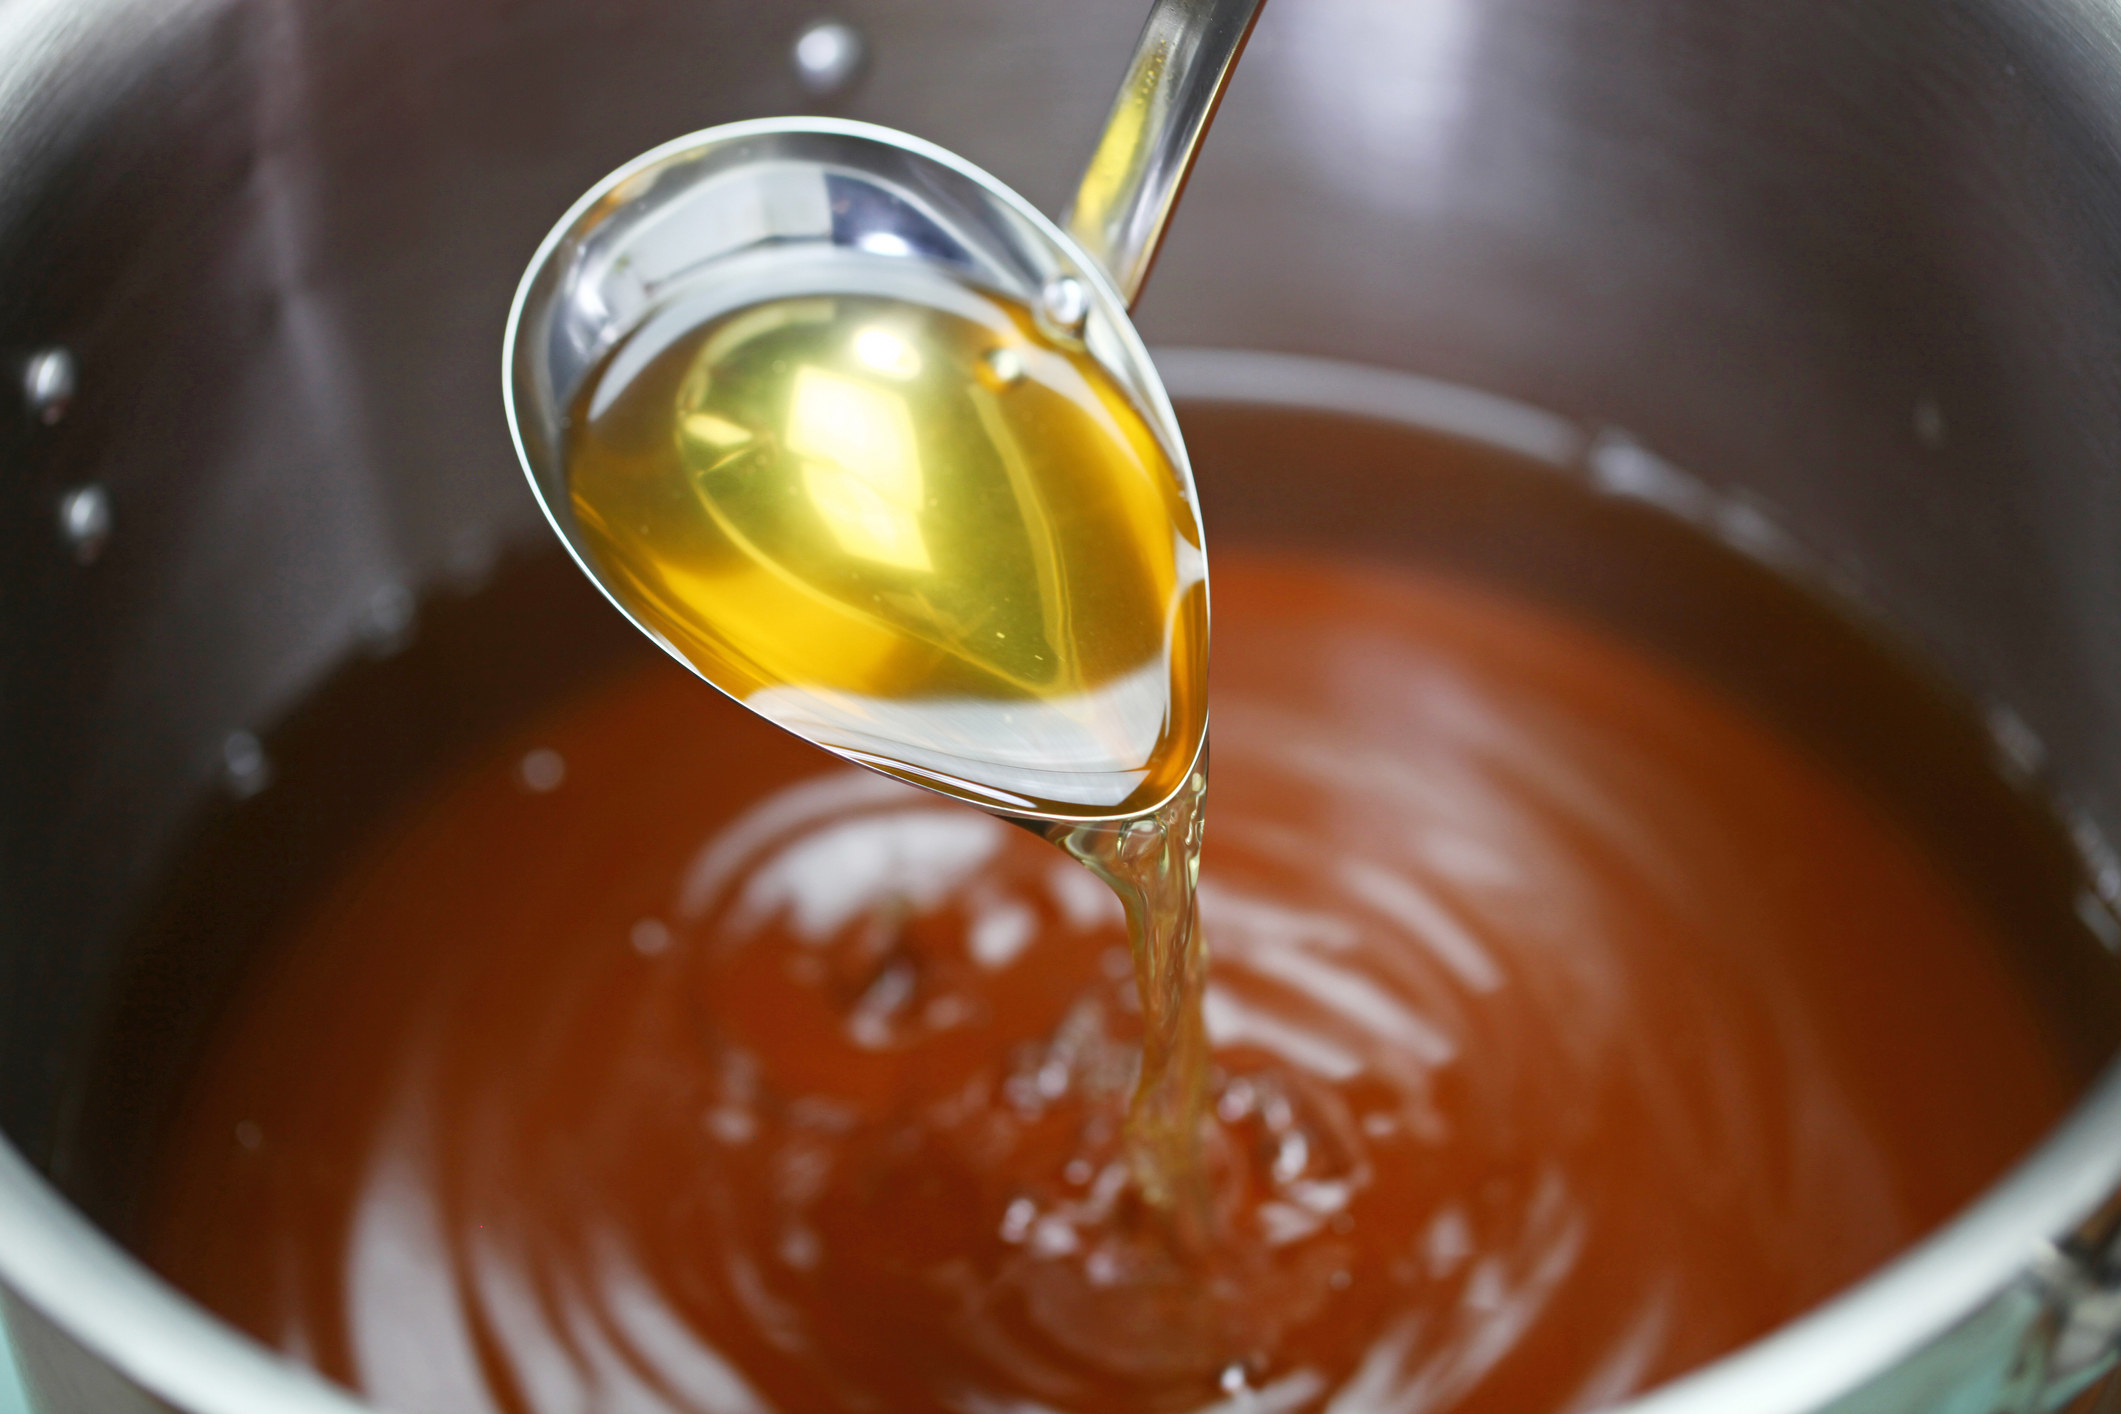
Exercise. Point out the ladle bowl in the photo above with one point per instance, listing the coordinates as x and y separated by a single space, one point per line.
784 208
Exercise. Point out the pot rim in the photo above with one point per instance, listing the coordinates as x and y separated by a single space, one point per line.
110 1302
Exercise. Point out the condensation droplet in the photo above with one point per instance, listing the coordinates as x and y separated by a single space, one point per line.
386 622
244 765
85 521
827 56
49 382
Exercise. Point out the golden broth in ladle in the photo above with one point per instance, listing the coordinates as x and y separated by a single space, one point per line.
925 533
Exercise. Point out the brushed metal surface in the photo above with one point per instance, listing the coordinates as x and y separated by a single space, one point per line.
12 1400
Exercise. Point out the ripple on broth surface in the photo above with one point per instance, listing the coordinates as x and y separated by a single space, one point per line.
1559 1016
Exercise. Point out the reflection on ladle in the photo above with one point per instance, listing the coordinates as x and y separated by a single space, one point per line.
860 437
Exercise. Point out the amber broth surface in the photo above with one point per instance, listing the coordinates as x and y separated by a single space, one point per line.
1560 1009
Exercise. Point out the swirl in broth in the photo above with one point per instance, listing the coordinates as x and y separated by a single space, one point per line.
1560 1039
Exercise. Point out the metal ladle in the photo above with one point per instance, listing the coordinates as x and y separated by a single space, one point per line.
743 213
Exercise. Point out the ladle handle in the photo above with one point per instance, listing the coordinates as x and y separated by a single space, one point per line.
1181 62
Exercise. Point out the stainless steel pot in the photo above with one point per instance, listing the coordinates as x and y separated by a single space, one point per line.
1858 259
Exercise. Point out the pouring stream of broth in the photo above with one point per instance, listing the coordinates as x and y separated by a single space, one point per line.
920 522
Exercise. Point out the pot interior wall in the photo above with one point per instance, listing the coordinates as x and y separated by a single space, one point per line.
1860 263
